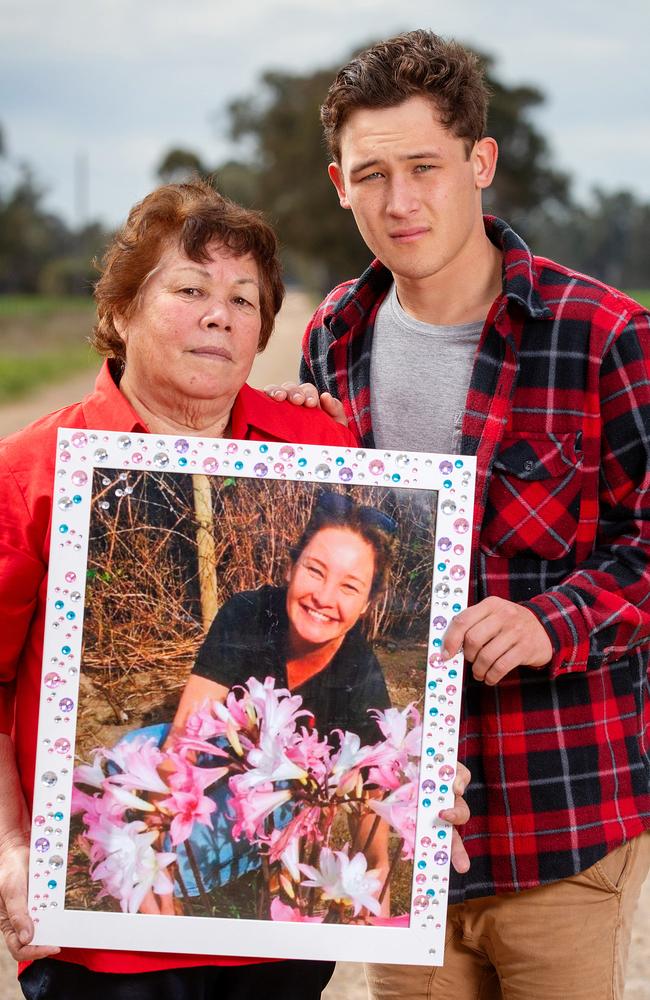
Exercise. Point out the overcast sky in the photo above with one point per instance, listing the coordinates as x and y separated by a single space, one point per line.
120 81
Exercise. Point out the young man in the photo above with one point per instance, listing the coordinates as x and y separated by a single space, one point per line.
458 339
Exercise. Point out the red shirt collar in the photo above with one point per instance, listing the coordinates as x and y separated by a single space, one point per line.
253 413
106 400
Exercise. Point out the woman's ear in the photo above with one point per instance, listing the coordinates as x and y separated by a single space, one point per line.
121 326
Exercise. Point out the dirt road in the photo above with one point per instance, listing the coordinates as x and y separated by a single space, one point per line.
280 362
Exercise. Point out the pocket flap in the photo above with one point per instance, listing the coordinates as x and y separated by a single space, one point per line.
532 457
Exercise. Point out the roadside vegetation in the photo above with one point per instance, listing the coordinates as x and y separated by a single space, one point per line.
43 339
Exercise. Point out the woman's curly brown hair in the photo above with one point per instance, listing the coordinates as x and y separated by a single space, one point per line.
192 216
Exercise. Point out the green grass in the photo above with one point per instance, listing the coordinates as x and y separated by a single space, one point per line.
22 375
641 295
41 306
43 339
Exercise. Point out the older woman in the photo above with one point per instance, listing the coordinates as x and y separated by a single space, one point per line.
189 292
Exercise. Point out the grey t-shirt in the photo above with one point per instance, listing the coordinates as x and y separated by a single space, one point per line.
419 377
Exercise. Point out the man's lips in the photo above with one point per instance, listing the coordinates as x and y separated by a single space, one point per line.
408 235
210 351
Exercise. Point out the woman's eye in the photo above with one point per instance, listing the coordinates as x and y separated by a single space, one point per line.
239 300
191 292
314 570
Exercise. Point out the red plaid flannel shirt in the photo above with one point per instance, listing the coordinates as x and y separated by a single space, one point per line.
558 415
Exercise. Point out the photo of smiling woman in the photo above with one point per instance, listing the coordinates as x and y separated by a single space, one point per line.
308 634
278 780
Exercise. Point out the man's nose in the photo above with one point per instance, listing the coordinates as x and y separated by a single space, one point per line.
402 197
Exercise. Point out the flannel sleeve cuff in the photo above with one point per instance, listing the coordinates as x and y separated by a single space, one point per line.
565 629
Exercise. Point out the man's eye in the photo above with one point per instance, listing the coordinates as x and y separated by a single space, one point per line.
423 168
371 177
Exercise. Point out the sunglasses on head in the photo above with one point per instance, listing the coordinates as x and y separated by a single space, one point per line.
340 505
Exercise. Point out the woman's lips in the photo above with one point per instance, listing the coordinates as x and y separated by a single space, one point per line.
212 352
318 616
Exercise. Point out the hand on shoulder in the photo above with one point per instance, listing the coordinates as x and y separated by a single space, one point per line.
306 394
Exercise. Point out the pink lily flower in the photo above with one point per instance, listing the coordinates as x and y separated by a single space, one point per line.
399 810
251 808
281 911
139 760
131 867
269 762
345 880
305 823
188 808
394 724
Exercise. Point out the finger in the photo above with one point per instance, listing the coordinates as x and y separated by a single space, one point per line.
310 392
16 919
30 952
276 392
458 814
459 626
466 619
459 856
462 779
18 942
491 653
334 408
503 666
305 394
479 635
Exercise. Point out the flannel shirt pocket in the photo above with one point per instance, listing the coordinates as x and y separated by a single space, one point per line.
534 496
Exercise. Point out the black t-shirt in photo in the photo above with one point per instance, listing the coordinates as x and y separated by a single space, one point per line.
249 638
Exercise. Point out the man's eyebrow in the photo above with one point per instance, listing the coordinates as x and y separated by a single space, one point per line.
426 155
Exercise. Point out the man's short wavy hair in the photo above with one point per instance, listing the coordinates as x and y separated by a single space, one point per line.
191 216
416 63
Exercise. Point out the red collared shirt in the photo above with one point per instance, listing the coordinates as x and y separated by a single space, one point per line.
26 481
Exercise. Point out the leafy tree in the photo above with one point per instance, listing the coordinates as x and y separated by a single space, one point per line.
607 238
38 252
179 165
526 181
29 236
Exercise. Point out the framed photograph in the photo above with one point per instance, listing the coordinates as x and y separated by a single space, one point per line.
245 717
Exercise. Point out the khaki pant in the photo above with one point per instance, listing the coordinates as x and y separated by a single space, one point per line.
565 941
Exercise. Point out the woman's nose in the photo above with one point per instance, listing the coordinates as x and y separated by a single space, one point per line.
216 316
325 593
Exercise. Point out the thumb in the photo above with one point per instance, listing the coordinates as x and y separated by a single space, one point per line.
333 408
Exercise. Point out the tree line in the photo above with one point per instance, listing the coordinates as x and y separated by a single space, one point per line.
280 169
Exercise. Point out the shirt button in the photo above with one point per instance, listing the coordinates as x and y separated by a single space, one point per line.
529 465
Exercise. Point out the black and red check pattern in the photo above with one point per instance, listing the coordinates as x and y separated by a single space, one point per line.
558 415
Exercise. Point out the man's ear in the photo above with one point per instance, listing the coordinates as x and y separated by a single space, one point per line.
336 177
484 157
